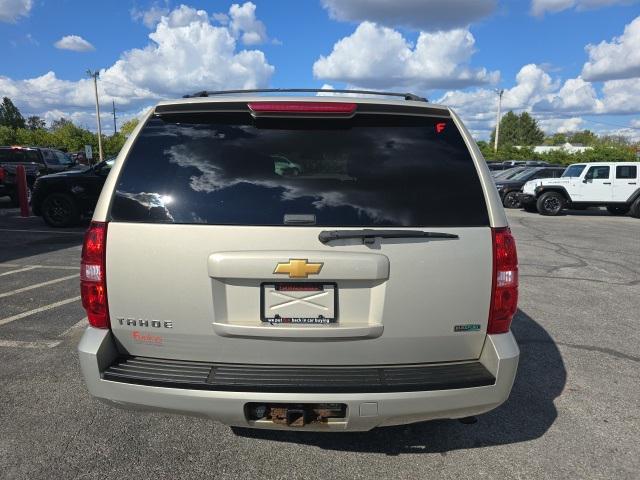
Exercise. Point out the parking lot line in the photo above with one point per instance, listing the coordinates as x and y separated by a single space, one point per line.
59 267
80 324
38 285
4 321
39 231
53 267
31 267
22 344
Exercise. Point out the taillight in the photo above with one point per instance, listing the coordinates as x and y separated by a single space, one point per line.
93 281
3 174
504 291
303 107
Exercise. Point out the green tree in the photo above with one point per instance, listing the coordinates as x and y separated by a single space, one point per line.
61 122
529 132
556 139
7 135
614 140
508 130
585 137
128 127
70 137
10 116
113 144
520 130
34 122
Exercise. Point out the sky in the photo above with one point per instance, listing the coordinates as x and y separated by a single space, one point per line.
573 64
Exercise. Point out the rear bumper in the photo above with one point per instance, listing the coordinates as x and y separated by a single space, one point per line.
365 411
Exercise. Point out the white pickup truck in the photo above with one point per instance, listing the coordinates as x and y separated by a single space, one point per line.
582 185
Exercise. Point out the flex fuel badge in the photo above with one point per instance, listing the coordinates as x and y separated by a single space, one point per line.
469 327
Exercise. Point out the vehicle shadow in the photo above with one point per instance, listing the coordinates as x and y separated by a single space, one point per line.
22 238
528 413
587 212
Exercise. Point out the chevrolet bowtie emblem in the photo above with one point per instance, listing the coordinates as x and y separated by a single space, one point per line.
298 268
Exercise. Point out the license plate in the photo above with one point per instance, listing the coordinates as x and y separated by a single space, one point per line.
299 303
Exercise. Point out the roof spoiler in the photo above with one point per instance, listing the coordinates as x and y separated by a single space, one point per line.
208 93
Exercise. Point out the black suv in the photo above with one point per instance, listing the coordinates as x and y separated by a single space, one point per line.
62 199
37 161
510 188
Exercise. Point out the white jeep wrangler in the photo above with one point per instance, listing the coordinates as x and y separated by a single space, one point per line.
582 185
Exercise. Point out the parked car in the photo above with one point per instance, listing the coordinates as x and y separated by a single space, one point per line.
10 159
614 185
513 163
62 199
509 189
508 173
49 160
497 166
215 286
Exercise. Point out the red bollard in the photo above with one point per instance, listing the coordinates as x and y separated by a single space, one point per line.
21 183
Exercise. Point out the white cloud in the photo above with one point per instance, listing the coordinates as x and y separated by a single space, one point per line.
532 83
87 118
561 125
576 95
221 18
416 14
557 106
540 7
12 10
74 43
243 24
621 96
380 57
479 106
186 54
617 59
151 16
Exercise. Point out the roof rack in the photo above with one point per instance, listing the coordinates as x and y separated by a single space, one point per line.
207 93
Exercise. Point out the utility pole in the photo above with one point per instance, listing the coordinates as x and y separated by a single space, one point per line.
495 143
95 76
115 128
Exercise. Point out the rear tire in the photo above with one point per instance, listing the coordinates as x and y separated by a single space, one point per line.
60 210
550 203
510 200
617 209
635 208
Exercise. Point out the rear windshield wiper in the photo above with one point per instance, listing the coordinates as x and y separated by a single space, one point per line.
368 236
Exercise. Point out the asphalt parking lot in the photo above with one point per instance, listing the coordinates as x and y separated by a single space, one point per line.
574 411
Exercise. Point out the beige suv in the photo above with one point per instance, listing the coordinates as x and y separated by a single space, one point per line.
356 290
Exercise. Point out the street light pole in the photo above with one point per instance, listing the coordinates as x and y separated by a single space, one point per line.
115 127
495 142
95 76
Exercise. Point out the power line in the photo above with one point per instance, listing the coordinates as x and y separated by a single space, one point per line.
612 124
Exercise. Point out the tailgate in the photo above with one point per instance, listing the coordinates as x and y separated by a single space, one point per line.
214 248
400 301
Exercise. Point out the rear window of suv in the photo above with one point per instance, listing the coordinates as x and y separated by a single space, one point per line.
232 169
18 155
